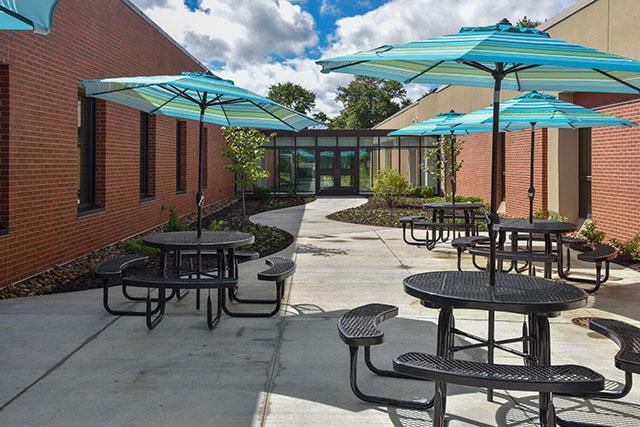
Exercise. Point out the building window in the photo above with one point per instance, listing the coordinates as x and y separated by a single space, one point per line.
205 158
144 156
86 185
584 173
181 157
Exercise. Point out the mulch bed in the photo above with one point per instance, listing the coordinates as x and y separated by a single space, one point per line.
77 275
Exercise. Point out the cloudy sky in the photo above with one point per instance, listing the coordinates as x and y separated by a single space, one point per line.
259 42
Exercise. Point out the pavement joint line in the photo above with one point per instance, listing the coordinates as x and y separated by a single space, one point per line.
402 264
58 364
273 371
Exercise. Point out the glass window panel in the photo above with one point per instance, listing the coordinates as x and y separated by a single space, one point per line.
429 141
347 141
284 141
429 179
409 141
410 164
346 181
388 141
366 169
305 141
306 170
268 163
389 158
347 159
327 141
326 182
326 159
285 170
368 141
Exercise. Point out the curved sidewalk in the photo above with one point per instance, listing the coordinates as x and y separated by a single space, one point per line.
65 362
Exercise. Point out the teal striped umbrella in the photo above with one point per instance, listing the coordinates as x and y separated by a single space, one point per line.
543 111
496 56
30 15
445 124
198 96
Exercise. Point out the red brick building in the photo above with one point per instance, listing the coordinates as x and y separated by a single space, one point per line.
77 174
579 174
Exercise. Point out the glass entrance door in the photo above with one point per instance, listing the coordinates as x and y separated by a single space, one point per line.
337 172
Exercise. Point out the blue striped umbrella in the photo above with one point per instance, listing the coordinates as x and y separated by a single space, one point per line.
543 111
445 124
30 15
496 56
198 96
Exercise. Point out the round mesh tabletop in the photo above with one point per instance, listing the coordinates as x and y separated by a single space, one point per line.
185 240
449 205
512 292
537 226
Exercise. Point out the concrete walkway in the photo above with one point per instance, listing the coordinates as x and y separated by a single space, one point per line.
65 362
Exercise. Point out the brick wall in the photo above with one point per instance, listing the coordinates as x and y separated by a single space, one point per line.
616 174
518 157
90 39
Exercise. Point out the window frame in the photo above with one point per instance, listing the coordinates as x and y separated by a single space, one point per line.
90 103
144 157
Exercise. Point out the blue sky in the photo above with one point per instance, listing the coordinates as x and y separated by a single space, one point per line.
258 43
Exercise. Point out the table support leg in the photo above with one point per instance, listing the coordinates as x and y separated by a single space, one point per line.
491 347
444 341
543 339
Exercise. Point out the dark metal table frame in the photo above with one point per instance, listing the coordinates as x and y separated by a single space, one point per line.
548 228
536 335
223 242
438 210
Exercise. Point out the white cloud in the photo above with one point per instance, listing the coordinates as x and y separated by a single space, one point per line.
329 8
247 36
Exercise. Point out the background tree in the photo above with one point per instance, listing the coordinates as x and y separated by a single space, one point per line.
526 22
245 148
438 160
293 95
367 101
321 117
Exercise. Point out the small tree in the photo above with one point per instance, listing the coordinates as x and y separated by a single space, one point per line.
389 185
245 148
438 161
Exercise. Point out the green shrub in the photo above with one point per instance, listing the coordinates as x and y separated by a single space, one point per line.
424 192
260 192
389 185
629 248
175 223
137 246
218 225
562 218
591 233
540 214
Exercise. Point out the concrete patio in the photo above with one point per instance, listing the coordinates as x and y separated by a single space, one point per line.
65 362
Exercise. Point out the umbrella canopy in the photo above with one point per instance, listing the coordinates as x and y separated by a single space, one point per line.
198 96
448 123
30 15
497 56
542 111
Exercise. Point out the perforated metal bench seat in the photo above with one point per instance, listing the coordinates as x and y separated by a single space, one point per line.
445 225
625 335
409 219
516 256
468 241
113 268
280 269
599 253
546 379
179 283
359 326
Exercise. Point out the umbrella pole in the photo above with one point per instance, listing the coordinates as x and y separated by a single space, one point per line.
199 195
492 217
453 170
532 190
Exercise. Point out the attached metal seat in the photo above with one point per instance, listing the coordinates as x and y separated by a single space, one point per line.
279 270
601 254
411 221
359 328
111 272
465 242
544 379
